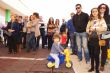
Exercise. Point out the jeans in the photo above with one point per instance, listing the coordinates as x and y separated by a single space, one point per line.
73 42
24 39
81 40
33 41
28 42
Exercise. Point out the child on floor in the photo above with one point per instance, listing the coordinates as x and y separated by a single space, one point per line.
56 49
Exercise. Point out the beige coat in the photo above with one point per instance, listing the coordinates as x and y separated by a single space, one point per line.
100 26
35 27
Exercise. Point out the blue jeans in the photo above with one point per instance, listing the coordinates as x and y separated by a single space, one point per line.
33 41
28 42
81 40
73 42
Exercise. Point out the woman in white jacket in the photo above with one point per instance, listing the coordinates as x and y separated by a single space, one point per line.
98 25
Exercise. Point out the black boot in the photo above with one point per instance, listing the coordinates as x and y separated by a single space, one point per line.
97 71
90 70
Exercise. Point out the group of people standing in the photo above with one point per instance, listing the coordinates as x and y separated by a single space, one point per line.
79 29
86 29
85 32
23 32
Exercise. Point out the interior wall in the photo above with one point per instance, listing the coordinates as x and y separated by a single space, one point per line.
2 11
2 16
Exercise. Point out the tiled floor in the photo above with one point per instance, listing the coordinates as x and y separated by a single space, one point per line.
33 62
82 67
29 63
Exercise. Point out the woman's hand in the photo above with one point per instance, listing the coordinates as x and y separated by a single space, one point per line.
10 30
92 29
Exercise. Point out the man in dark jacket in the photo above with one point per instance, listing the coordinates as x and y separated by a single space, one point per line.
71 35
80 21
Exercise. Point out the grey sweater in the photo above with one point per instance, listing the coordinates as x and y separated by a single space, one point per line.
56 48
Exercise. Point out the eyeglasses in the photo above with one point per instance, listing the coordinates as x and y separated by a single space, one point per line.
102 7
77 8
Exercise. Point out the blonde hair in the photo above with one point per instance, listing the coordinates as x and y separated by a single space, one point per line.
56 35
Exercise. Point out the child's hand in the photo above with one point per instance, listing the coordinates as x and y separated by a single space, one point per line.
62 52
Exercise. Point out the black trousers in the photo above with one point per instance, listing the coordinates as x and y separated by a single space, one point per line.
12 44
38 39
50 41
94 50
46 37
103 55
68 38
5 39
43 40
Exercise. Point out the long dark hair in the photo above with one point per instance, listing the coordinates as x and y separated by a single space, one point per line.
91 16
30 18
57 20
107 8
49 21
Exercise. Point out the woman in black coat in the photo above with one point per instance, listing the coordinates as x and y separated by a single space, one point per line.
13 30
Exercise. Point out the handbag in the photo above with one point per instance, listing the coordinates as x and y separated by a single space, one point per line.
102 42
105 35
7 33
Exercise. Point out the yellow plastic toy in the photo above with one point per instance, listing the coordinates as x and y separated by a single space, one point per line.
67 58
50 64
108 53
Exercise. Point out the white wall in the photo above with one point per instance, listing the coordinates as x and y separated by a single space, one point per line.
2 17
